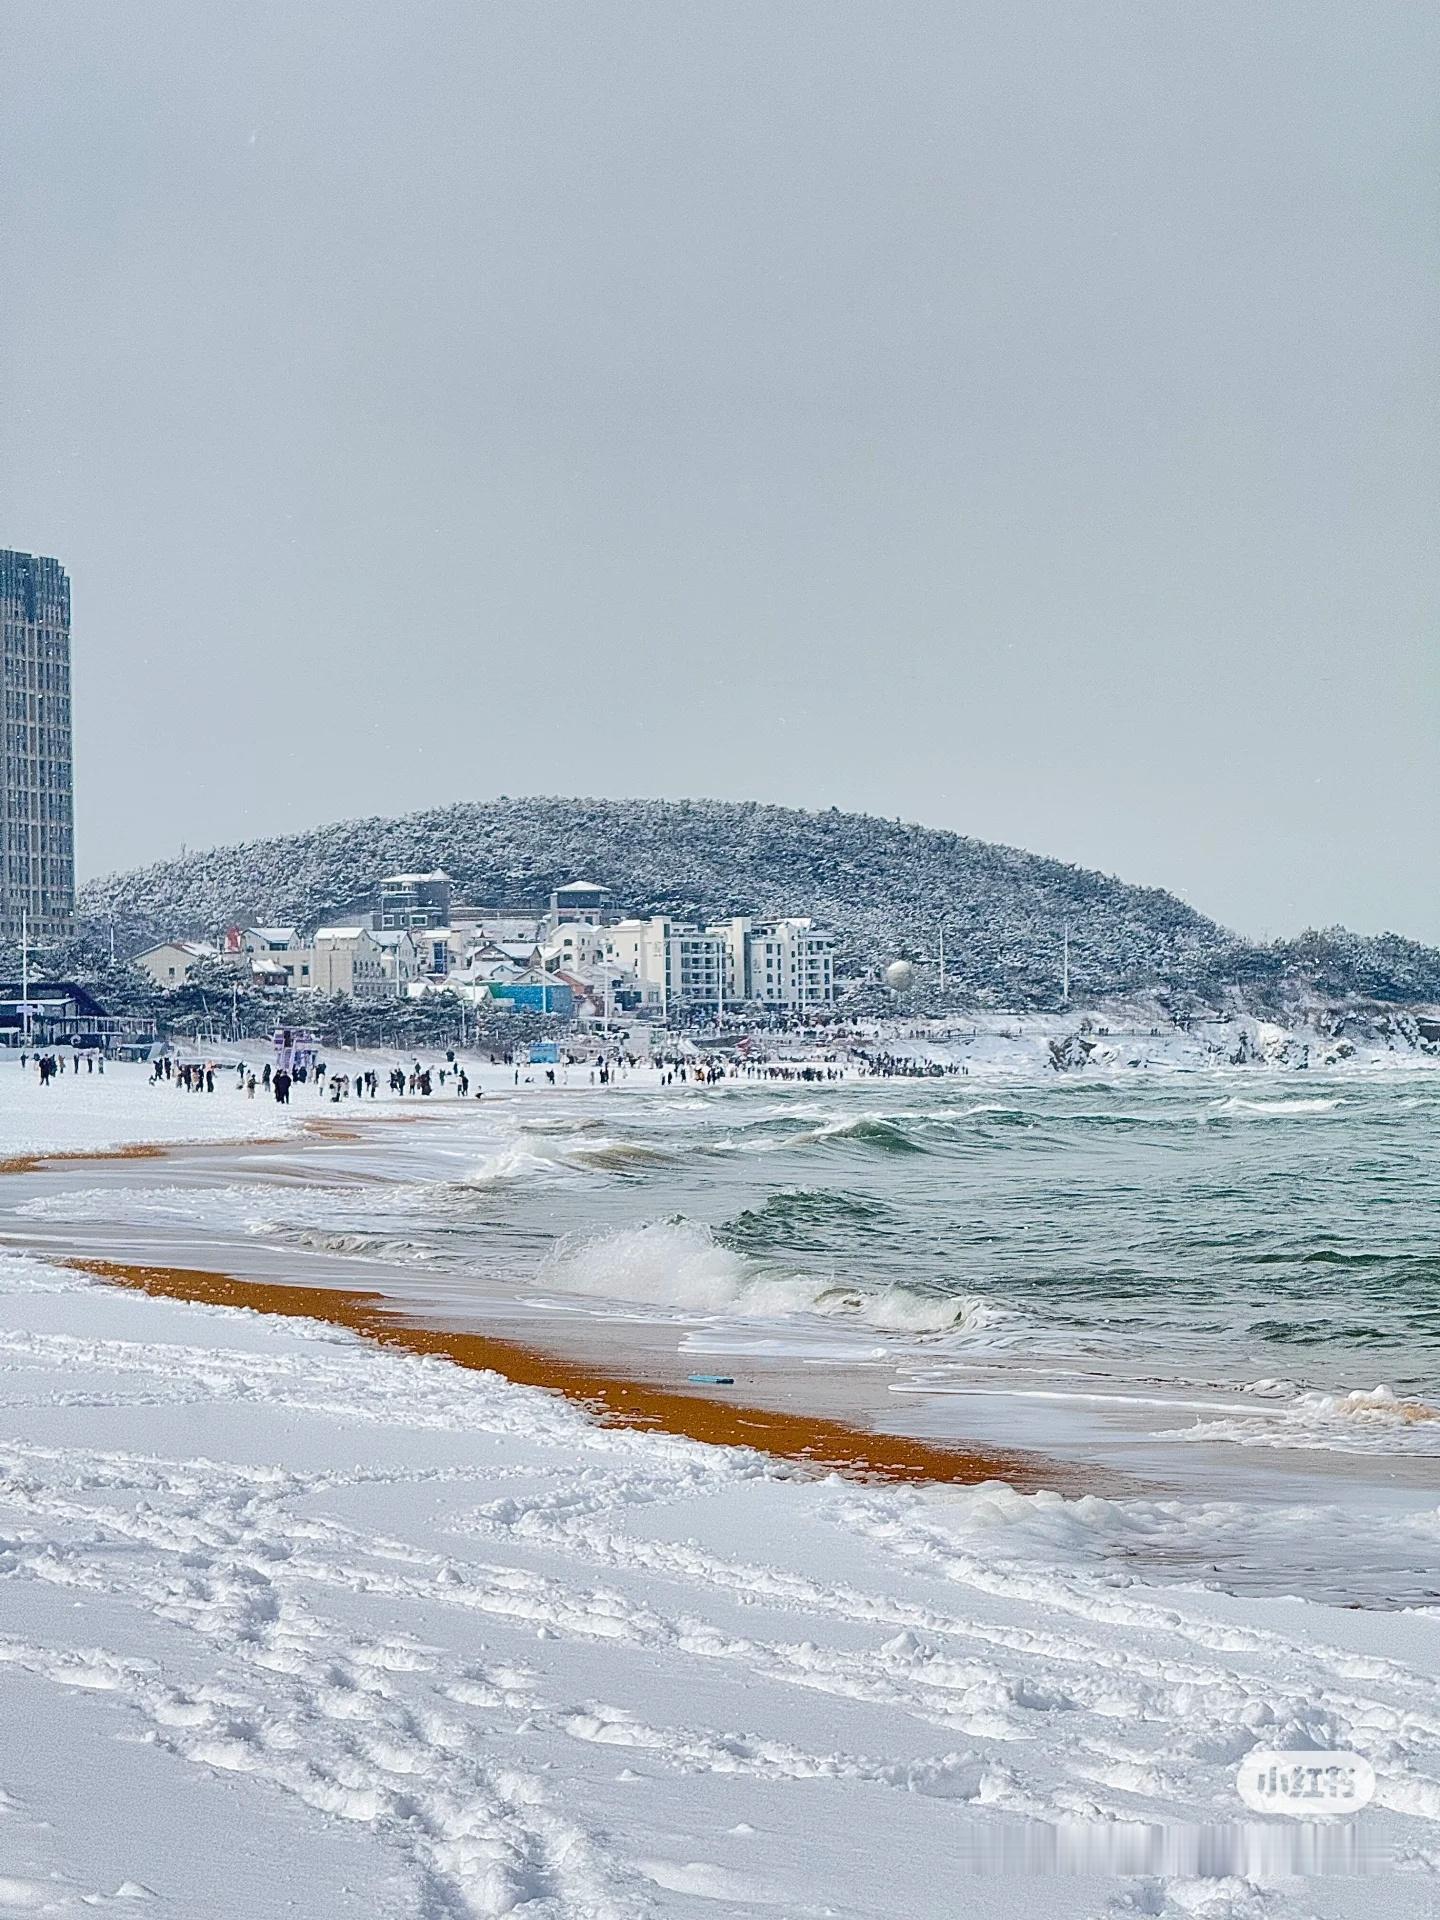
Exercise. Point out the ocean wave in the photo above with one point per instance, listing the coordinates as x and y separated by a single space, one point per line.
353 1244
618 1154
514 1163
790 1208
676 1266
556 1156
1280 1109
886 1134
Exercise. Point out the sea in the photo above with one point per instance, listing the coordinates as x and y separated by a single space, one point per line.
1217 1292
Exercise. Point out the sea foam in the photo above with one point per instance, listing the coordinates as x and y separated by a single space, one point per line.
677 1266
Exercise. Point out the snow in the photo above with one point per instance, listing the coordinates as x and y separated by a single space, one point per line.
100 1113
290 1623
295 1624
884 886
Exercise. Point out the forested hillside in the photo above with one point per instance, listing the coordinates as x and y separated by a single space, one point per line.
886 888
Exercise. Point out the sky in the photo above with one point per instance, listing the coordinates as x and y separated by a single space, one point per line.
1015 417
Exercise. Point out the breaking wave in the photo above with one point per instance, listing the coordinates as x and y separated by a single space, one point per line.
553 1156
676 1266
514 1163
886 1135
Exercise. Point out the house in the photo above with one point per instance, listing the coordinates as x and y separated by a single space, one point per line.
269 939
578 902
402 956
500 923
414 900
350 960
171 963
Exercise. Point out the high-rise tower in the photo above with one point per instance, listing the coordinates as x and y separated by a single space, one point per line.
37 831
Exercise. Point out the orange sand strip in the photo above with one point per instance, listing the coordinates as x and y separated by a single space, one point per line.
614 1399
39 1162
315 1127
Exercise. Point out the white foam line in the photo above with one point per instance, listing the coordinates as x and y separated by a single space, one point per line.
1099 1399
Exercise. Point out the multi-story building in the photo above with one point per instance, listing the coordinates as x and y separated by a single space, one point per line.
789 963
348 960
786 964
37 831
412 900
681 966
579 902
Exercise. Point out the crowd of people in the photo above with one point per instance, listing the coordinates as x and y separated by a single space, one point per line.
616 1064
52 1062
899 1066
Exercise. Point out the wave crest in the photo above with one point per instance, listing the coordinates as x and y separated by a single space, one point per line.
676 1266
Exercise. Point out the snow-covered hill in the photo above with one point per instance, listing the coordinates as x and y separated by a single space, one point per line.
886 886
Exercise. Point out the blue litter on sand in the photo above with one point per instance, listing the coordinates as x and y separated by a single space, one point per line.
712 1379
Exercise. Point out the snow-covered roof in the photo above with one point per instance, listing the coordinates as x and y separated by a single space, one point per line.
197 949
581 886
343 933
413 879
274 935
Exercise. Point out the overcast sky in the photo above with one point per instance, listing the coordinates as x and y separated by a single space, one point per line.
1016 417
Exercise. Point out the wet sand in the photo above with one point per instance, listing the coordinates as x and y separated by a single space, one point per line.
43 1162
805 1439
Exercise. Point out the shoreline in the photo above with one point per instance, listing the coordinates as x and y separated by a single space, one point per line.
806 1441
804 1395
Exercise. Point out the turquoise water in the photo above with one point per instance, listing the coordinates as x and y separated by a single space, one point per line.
1273 1236
1251 1227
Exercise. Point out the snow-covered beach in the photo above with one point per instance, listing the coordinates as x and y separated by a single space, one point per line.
285 1612
290 1622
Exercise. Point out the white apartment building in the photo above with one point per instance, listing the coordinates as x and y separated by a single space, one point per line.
791 964
674 964
782 964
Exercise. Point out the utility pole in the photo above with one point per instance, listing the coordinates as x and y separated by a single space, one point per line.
942 959
1065 967
25 973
